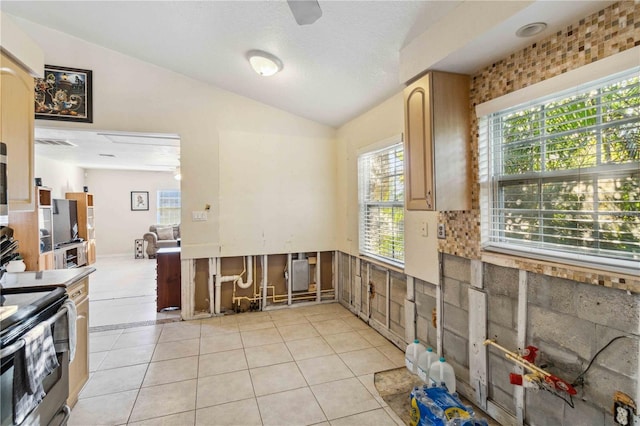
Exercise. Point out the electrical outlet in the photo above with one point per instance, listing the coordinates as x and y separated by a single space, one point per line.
622 414
624 410
442 234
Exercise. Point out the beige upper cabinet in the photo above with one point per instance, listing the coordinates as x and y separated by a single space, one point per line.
437 175
16 129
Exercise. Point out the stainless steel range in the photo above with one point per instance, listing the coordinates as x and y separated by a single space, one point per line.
23 309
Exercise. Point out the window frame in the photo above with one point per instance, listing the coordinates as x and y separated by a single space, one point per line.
388 145
489 184
159 208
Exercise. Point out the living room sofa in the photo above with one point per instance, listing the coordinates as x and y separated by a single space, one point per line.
161 236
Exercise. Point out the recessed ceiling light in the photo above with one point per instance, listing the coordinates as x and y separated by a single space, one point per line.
264 63
530 30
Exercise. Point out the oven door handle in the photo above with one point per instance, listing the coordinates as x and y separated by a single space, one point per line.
15 347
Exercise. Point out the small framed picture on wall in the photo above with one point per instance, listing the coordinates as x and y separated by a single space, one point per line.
139 200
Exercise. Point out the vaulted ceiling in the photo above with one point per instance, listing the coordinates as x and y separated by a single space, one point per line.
346 62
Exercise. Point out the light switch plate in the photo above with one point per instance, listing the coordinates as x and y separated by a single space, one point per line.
198 216
424 229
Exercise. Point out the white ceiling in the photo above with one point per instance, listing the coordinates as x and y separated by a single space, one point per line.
109 150
334 70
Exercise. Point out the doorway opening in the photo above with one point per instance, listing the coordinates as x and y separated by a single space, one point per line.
114 167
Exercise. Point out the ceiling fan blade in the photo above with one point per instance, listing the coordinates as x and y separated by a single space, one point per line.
306 12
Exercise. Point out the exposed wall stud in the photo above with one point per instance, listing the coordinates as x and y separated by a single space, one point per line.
289 258
318 277
388 314
439 305
477 350
335 267
519 391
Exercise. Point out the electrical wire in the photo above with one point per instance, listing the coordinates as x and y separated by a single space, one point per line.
579 381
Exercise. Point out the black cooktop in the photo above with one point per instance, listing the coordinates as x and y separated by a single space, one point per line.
34 305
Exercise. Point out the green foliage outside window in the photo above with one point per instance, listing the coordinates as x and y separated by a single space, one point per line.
381 193
568 172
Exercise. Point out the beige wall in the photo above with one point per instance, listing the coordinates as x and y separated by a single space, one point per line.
278 194
131 95
380 123
116 225
59 176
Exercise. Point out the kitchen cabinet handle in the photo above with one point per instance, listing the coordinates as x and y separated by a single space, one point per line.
77 293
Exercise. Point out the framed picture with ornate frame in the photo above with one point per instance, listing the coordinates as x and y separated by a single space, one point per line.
64 94
139 200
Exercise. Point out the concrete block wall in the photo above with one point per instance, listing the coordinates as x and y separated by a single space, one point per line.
501 285
385 306
567 320
570 322
426 302
344 276
378 280
397 295
456 278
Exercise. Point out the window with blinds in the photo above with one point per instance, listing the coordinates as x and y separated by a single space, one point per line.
381 199
563 173
168 208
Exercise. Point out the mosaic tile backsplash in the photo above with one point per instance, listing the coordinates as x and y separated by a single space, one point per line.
597 36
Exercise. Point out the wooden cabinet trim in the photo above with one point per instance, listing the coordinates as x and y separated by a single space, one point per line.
16 128
437 130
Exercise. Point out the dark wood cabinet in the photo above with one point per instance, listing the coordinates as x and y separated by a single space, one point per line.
168 278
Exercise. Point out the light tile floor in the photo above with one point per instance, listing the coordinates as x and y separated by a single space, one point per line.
122 290
211 372
301 366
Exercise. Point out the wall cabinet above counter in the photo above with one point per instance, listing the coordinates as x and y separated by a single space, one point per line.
437 135
16 131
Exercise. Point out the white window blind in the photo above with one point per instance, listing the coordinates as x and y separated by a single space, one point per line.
168 208
561 175
381 199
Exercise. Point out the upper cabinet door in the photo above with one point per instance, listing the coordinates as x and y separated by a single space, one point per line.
16 129
437 134
418 147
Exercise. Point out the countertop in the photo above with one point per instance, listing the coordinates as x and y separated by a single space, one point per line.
51 278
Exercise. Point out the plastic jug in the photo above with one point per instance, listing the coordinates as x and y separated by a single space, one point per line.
411 355
425 360
442 372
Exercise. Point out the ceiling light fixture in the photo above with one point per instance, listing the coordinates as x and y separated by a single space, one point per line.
532 29
264 63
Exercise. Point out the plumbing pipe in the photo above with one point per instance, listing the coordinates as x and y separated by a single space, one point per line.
238 278
265 270
273 297
218 286
228 278
210 288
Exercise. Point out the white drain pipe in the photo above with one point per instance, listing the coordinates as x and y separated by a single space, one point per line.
249 283
231 278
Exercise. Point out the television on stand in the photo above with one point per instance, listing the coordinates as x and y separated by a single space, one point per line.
65 222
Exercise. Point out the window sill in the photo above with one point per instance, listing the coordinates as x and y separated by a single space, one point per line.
623 280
